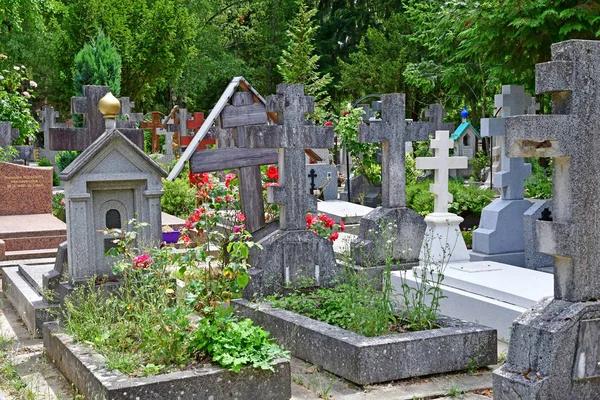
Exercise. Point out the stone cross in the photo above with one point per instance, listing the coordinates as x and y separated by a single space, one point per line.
47 121
534 106
126 109
570 136
441 163
80 138
513 101
168 146
291 136
393 131
312 177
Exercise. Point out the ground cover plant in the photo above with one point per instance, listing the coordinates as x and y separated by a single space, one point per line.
142 328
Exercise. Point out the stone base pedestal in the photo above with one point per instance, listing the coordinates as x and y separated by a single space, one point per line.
553 354
517 259
399 231
501 227
443 242
290 259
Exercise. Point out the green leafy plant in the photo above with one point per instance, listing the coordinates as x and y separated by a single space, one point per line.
467 235
298 63
98 63
17 90
468 200
179 198
43 162
364 155
142 329
58 206
64 158
479 164
539 184
8 154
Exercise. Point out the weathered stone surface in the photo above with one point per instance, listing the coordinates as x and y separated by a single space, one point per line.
25 190
533 258
87 371
289 258
111 182
7 134
549 356
365 360
402 227
554 347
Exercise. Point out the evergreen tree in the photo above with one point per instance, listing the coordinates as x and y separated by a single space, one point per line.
298 63
98 63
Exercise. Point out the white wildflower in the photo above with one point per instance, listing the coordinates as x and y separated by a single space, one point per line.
32 84
16 68
26 94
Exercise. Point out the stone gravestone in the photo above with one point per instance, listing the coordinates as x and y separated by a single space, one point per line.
540 210
403 226
25 190
7 134
500 235
48 120
554 347
323 179
80 138
291 255
443 241
168 155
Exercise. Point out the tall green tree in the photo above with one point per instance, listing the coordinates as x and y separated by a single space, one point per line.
299 63
98 63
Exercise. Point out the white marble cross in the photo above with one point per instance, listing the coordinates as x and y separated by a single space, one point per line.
441 163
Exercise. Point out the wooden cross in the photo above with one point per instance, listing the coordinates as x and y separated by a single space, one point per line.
570 136
291 136
247 161
153 125
513 171
442 163
393 131
79 139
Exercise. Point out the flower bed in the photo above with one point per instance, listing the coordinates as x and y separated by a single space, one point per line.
456 345
88 372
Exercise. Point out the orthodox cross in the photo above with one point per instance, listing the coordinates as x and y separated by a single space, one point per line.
441 163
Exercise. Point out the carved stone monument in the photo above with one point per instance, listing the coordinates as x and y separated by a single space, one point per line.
393 221
291 255
554 348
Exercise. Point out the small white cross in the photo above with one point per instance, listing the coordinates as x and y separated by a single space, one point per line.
441 163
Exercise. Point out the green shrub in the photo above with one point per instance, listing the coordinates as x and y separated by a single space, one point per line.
539 185
479 164
179 198
43 162
64 158
468 200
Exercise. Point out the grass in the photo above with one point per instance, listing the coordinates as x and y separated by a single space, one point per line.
10 381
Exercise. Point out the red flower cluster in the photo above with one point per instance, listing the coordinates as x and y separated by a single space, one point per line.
273 173
321 225
142 261
228 178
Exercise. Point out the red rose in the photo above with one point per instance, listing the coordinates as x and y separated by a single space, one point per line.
328 123
272 173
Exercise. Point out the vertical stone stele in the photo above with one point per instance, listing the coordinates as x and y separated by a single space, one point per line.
554 348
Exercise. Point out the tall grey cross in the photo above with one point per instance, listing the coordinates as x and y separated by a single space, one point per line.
291 136
514 171
80 138
393 131
570 136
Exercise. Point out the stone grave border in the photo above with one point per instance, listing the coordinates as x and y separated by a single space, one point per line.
87 371
364 360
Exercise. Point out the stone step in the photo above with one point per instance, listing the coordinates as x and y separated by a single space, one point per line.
33 242
30 305
26 254
33 274
15 226
32 233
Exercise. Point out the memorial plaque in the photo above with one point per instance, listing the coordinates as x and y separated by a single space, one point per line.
25 190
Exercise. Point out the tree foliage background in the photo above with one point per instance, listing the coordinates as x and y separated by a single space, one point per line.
184 52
